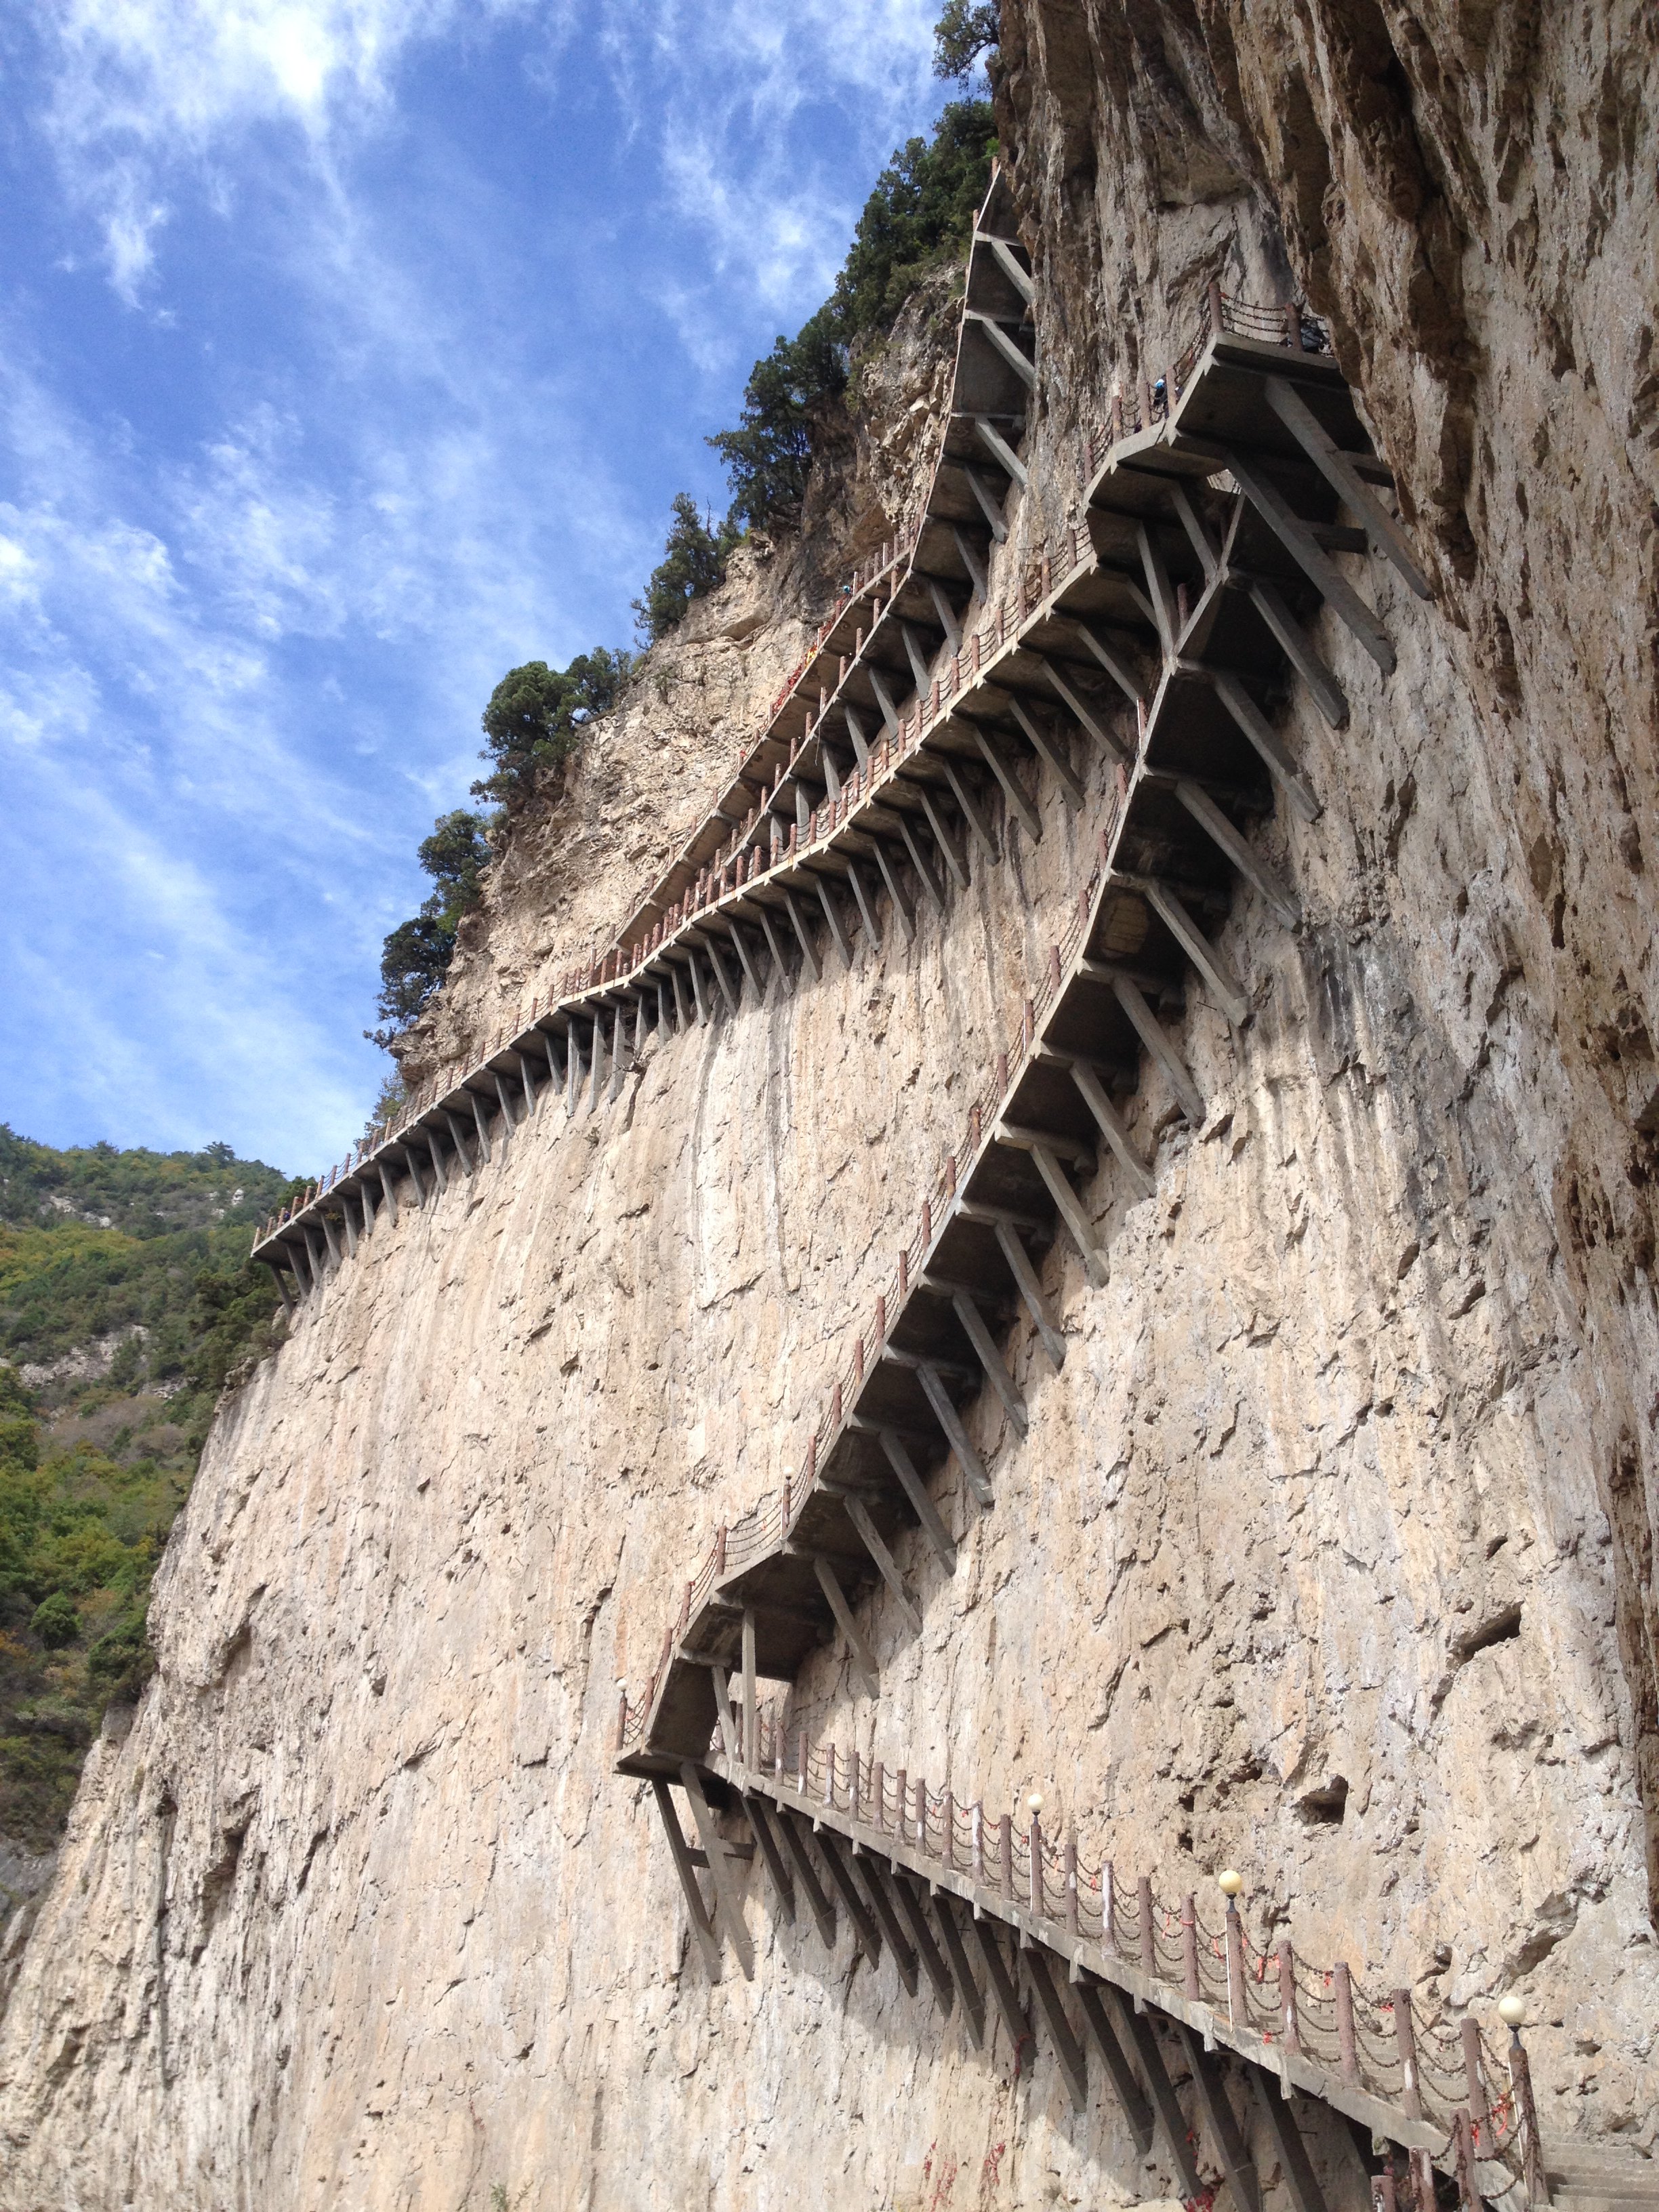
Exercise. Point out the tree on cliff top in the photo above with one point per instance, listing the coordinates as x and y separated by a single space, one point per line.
965 30
536 716
692 562
416 956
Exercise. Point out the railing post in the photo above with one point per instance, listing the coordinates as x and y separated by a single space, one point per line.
1108 1906
1034 1841
622 1720
1342 1992
1005 1854
1217 313
830 1776
1189 1947
1512 2011
1475 2087
1117 417
1231 1884
921 1813
1411 2096
977 1818
1463 2157
719 1551
1072 1910
879 1791
1287 2011
1293 326
1148 1939
901 1791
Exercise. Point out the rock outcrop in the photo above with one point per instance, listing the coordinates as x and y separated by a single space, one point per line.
1330 1555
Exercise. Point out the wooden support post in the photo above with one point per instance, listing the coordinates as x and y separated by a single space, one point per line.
1025 1278
1151 1033
1161 2089
1211 2084
438 1168
972 813
1386 536
335 1261
955 859
1050 748
820 1906
962 1974
1306 2195
727 1890
873 1870
950 1420
553 1075
1298 649
1070 1209
751 1703
920 1503
809 957
458 1141
1222 984
1112 1127
695 973
1255 870
864 901
573 1073
1083 712
1020 805
1001 1982
696 1910
1255 724
597 1069
279 1275
919 673
863 1665
990 1357
1067 2049
946 613
760 1821
857 1513
1118 669
902 906
683 1010
1299 542
1342 1998
922 865
865 1931
1136 2111
832 915
1024 370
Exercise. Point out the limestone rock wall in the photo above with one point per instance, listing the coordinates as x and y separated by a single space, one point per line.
1330 1552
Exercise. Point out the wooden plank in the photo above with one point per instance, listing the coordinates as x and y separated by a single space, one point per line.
990 1357
971 812
1072 1213
865 1932
1306 2194
1025 1279
1118 670
1299 542
1112 1128
1255 870
696 1911
1161 2089
902 906
1297 647
1136 2111
1052 750
1151 1032
973 2003
821 1907
954 860
1085 714
1001 1982
1208 2080
727 1890
809 957
1067 2049
866 905
1021 807
920 863
859 1514
863 1665
760 1821
990 507
1223 985
999 450
1385 533
886 1911
920 1503
950 1421
933 1962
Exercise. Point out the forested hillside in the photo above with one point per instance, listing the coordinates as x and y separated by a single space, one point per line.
125 1301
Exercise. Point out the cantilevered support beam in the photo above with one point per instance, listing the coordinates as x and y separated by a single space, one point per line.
331 1240
1161 2090
553 1075
1255 724
457 1140
1091 1997
1051 749
955 860
855 731
527 1077
946 613
695 973
573 1073
438 1168
508 1121
1118 669
902 906
972 814
837 927
990 505
760 1821
780 966
1024 370
1067 2049
922 865
1018 277
917 659
970 560
696 1911
802 936
1020 805
1208 2080
1158 586
859 1514
618 1058
973 2002
683 1010
1297 647
1306 2194
1223 985
728 1727
596 1087
1196 528
1112 1127
1001 1981
727 1887
1255 870
933 1959
1299 542
865 1931
999 450
731 995
1026 1277
747 957
889 713
886 1911
1070 1209
863 1665
864 901
821 1905
932 1384
387 1186
922 1504
1386 535
1150 1031
1085 713
974 1328
750 1702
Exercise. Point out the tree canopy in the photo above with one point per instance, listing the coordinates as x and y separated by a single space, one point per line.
965 30
416 956
693 562
535 718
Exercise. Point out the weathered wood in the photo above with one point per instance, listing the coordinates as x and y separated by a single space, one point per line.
1071 1212
1222 2121
727 1890
820 1906
803 935
955 860
1112 1127
1052 749
902 906
1119 671
950 1421
866 1934
1067 2049
760 1821
1083 712
922 1504
1297 538
989 506
999 450
696 1910
973 1323
973 2002
863 1665
903 1953
1001 1982
1306 2194
1021 807
859 1514
1385 534
1151 1032
1025 1278
1137 2110
920 862
1223 985
972 814
1298 649
1255 870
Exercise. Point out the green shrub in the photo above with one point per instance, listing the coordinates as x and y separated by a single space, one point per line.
536 717
56 1622
693 562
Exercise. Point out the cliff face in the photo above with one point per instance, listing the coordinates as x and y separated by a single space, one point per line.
1330 1552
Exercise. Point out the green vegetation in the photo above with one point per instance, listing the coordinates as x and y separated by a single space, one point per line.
536 717
416 955
694 562
965 30
124 1274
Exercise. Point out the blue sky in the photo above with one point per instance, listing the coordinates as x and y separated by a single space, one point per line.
350 352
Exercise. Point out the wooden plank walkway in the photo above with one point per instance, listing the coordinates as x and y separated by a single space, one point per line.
1174 2015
